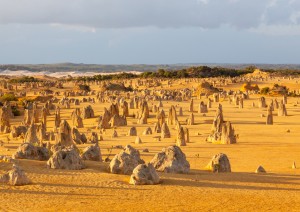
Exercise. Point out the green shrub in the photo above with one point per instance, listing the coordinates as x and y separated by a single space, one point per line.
265 90
8 97
24 101
15 111
23 79
84 87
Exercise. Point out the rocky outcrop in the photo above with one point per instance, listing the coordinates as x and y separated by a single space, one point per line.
5 115
144 109
8 106
77 121
88 112
216 97
191 119
157 128
29 151
66 158
92 153
165 131
76 102
138 140
125 109
78 138
17 131
282 109
28 117
171 160
219 163
117 121
144 174
222 132
143 113
228 134
132 131
64 137
172 116
180 112
186 135
31 134
276 104
284 99
44 113
260 169
269 116
125 161
103 122
161 117
114 134
41 132
15 177
142 119
202 108
241 103
76 118
191 106
114 110
93 138
57 119
147 131
262 102
180 141
209 103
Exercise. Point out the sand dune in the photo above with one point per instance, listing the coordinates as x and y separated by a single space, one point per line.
56 74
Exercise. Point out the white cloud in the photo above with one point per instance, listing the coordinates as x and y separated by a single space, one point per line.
74 27
277 30
203 1
294 17
88 15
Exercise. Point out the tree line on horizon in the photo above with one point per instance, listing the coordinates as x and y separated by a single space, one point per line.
191 72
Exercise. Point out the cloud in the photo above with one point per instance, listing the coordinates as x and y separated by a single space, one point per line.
92 14
277 30
79 28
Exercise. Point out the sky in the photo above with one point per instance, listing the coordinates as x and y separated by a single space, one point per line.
149 31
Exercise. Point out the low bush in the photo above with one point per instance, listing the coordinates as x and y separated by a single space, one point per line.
8 97
265 90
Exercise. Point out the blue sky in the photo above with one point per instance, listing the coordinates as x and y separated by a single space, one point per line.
149 31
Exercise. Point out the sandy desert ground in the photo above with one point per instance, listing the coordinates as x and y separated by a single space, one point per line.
95 189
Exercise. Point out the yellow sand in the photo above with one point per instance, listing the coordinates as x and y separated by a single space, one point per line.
94 189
